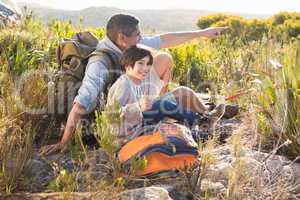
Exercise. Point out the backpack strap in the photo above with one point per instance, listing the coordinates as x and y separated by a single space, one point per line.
86 38
113 65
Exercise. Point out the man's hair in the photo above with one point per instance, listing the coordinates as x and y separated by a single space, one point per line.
133 54
121 23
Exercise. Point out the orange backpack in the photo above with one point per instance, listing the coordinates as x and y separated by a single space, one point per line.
170 147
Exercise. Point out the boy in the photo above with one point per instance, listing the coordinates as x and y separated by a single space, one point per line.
137 91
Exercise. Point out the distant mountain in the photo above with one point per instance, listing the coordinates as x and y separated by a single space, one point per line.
151 20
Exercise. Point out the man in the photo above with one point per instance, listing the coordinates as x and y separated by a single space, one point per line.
122 31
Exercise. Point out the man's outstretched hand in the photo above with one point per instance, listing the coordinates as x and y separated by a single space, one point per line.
213 32
51 149
176 38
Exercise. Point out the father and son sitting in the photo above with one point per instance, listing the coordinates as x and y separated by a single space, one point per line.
142 91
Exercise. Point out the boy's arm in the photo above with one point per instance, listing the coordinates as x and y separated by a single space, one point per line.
173 39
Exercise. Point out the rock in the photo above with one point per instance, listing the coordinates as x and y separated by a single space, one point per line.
51 196
296 176
174 191
273 162
63 160
97 161
42 170
221 154
219 172
287 173
212 188
147 193
40 174
296 171
250 165
97 156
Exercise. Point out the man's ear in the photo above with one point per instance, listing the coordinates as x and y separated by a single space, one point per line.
121 40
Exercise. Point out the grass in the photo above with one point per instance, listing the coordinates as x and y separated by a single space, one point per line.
278 100
16 143
270 91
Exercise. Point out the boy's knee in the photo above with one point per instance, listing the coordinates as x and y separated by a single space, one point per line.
164 59
183 91
163 63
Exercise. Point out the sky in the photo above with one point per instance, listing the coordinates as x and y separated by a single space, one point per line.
237 6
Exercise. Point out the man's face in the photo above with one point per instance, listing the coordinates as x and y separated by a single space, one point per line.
132 39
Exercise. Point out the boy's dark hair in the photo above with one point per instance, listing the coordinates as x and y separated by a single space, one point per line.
121 23
133 54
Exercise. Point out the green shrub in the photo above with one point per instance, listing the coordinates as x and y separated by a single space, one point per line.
279 100
283 26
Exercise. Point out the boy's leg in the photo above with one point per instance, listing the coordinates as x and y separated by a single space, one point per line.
189 100
186 97
162 63
164 108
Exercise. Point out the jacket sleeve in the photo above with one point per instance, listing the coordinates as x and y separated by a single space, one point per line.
93 83
153 42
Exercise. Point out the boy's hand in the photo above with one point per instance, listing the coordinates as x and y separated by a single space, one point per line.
145 103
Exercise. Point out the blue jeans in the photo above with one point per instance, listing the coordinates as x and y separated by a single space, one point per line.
166 108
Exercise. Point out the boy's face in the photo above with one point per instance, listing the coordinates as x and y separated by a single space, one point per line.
140 70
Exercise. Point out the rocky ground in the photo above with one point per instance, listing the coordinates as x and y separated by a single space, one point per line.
235 171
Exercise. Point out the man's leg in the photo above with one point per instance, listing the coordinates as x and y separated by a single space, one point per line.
162 64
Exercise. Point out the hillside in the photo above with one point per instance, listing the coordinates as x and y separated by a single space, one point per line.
158 20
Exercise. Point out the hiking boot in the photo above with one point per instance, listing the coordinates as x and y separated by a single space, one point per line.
230 111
